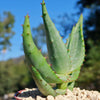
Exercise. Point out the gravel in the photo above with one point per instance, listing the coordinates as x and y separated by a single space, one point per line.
76 94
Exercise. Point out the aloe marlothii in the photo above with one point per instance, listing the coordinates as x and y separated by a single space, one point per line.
66 60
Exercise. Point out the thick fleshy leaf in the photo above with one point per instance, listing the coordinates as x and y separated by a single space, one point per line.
71 85
75 45
35 57
58 56
43 86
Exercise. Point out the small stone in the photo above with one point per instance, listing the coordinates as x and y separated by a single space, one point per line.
26 89
69 92
50 97
29 98
93 97
98 97
86 99
60 97
40 98
70 97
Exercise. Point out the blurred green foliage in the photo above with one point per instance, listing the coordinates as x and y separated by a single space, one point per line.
6 24
39 36
90 73
14 75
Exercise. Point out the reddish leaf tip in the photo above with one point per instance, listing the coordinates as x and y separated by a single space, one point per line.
21 24
50 64
45 57
40 50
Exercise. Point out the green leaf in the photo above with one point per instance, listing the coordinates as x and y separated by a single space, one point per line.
43 86
75 45
71 85
59 58
35 57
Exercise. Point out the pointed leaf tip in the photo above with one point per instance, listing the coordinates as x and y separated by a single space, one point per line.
27 16
43 1
81 17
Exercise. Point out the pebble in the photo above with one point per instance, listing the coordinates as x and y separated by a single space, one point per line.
40 98
60 97
50 97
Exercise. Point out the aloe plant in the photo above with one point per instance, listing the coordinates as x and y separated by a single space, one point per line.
66 59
